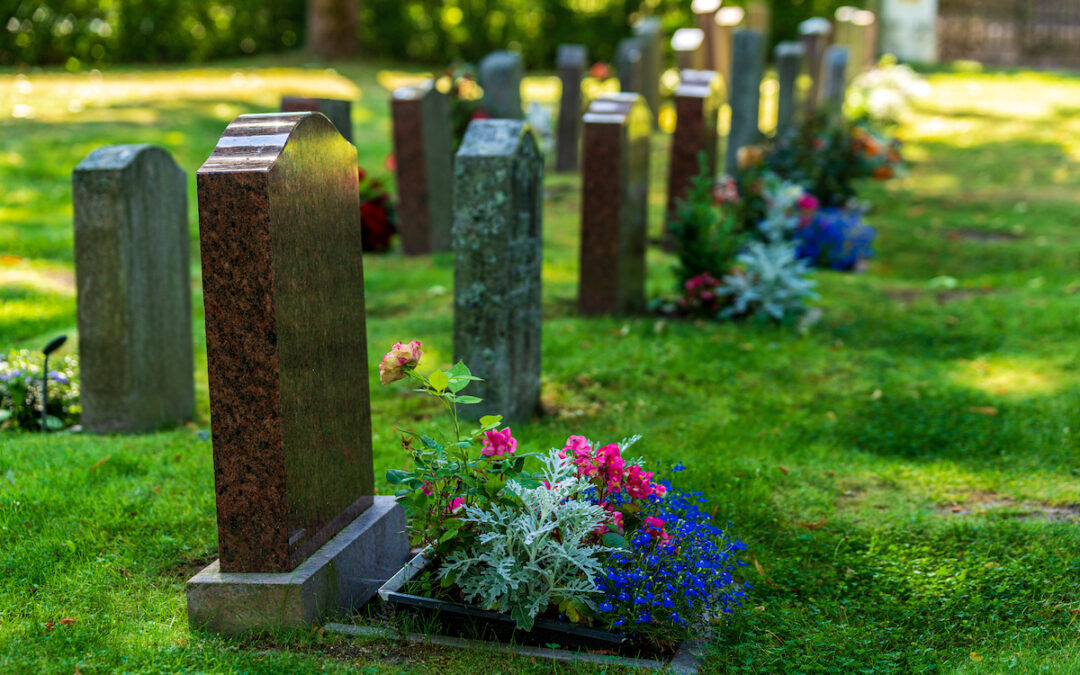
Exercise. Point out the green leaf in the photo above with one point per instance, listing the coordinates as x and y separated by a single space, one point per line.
5 415
439 380
54 423
403 493
429 442
614 540
518 465
490 421
395 476
468 400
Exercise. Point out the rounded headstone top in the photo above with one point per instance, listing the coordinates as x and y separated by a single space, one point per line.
495 137
816 26
790 49
571 55
687 39
730 16
502 58
111 157
705 6
254 142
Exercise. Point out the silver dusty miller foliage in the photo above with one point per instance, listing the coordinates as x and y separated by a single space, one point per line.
774 283
529 556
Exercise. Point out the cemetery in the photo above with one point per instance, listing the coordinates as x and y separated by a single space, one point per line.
529 337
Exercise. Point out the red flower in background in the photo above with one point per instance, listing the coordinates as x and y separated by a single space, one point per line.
600 71
378 222
480 114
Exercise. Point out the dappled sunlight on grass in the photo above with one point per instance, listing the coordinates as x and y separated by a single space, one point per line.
1011 376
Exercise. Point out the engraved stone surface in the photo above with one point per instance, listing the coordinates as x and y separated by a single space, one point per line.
688 45
651 32
338 112
571 61
133 276
834 87
745 96
705 19
697 105
629 64
421 116
814 35
500 76
498 186
283 286
614 205
789 61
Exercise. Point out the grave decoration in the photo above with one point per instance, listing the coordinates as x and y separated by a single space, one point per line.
378 218
21 380
583 536
878 97
459 83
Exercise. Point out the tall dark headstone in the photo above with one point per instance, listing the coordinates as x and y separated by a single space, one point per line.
834 88
651 32
338 112
571 61
133 278
614 205
745 95
498 187
630 65
500 76
424 168
299 532
689 47
814 35
705 19
789 62
697 106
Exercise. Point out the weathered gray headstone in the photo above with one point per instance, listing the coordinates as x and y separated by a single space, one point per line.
629 65
745 95
338 112
500 75
789 62
498 185
133 278
814 35
424 168
614 205
651 32
834 89
688 45
571 62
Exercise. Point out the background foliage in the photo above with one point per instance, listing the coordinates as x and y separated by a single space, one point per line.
34 32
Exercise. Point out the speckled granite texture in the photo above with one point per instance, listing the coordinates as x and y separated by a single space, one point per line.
697 106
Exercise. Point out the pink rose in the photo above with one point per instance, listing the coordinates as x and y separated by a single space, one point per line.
808 202
395 362
498 443
457 503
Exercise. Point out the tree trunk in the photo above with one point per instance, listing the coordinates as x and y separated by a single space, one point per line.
331 30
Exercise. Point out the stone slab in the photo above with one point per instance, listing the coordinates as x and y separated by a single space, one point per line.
789 63
697 107
500 75
834 86
745 95
651 32
283 288
339 577
571 61
425 168
133 279
337 111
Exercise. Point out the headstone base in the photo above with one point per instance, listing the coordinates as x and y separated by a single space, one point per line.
342 575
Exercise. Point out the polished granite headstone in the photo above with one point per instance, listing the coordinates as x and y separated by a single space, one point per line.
283 287
500 75
498 187
789 62
745 95
571 61
422 140
651 32
697 106
338 112
814 35
133 279
614 205
629 64
834 86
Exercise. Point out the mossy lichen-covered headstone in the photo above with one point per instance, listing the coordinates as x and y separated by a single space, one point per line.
498 183
134 290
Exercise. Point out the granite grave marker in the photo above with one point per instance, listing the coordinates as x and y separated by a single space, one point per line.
650 31
745 95
629 65
728 21
697 106
688 45
814 36
571 62
705 19
500 75
338 112
789 62
834 87
133 279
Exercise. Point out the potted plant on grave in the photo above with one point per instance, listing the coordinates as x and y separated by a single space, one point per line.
579 545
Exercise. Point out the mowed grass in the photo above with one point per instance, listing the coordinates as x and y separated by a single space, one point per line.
903 474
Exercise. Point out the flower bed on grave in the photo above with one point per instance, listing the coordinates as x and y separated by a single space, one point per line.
580 545
21 380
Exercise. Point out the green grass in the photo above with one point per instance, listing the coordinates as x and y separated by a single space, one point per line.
892 523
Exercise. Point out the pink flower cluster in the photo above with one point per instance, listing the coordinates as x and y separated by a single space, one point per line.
808 205
654 527
700 293
394 362
498 443
726 191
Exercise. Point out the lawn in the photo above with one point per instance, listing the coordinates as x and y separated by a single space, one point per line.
904 472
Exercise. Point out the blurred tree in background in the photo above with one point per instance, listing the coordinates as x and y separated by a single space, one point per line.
93 32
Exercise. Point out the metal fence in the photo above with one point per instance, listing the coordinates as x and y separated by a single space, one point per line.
1037 33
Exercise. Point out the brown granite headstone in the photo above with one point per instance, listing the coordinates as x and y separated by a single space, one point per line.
697 105
422 140
337 111
283 288
614 205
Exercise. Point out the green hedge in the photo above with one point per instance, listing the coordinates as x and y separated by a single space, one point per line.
429 31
